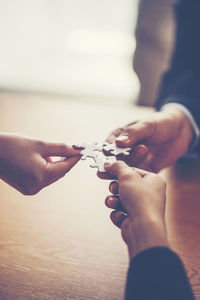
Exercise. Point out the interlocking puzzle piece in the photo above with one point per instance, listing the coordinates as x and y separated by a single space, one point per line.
109 147
112 148
90 150
100 160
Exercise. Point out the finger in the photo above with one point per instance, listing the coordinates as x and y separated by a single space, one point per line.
135 133
59 149
117 217
141 172
147 163
112 137
137 154
105 176
117 169
114 187
48 159
57 170
113 201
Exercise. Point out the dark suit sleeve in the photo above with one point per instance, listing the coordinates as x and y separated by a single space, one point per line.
157 274
181 84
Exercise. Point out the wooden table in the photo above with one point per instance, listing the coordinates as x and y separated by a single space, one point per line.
60 244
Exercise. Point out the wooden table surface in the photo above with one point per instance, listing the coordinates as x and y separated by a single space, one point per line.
60 244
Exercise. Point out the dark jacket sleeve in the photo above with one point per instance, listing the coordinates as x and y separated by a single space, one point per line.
157 274
181 84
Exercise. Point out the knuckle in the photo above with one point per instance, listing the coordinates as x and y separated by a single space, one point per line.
119 165
30 190
116 164
159 180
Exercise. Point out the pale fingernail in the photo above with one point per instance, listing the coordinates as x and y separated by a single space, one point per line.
109 202
141 152
122 138
107 165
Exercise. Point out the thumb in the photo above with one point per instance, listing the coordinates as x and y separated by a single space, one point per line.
118 169
58 169
135 133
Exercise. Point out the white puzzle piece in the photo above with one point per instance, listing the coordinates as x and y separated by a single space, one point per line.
90 150
113 149
95 151
100 160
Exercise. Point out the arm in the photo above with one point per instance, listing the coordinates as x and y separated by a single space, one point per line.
165 135
170 133
157 273
181 83
138 200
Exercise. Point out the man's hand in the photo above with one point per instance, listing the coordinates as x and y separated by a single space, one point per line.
26 164
167 135
138 200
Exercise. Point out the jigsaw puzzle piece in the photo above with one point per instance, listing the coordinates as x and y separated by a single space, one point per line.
124 151
100 160
113 149
108 147
90 150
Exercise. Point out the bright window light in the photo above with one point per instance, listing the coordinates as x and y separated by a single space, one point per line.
70 47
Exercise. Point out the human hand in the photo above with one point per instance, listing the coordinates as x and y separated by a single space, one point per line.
26 164
138 200
167 136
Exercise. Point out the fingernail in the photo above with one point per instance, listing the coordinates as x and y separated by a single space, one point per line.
141 151
122 138
107 165
108 202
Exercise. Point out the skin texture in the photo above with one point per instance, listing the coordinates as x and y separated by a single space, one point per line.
165 136
138 200
26 164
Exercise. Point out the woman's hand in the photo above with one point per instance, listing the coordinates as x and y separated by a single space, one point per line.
165 137
26 164
138 200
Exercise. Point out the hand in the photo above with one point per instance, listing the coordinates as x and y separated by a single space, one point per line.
138 200
167 135
25 163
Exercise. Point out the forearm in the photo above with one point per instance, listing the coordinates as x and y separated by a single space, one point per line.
155 272
191 127
4 149
145 234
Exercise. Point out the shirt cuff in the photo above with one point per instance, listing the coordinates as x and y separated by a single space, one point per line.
195 128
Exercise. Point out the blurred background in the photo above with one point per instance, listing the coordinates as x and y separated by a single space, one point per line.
85 49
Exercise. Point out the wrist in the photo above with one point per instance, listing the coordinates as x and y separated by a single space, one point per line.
146 233
2 152
5 149
177 115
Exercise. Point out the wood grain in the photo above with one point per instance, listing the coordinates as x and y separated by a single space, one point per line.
183 216
60 244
